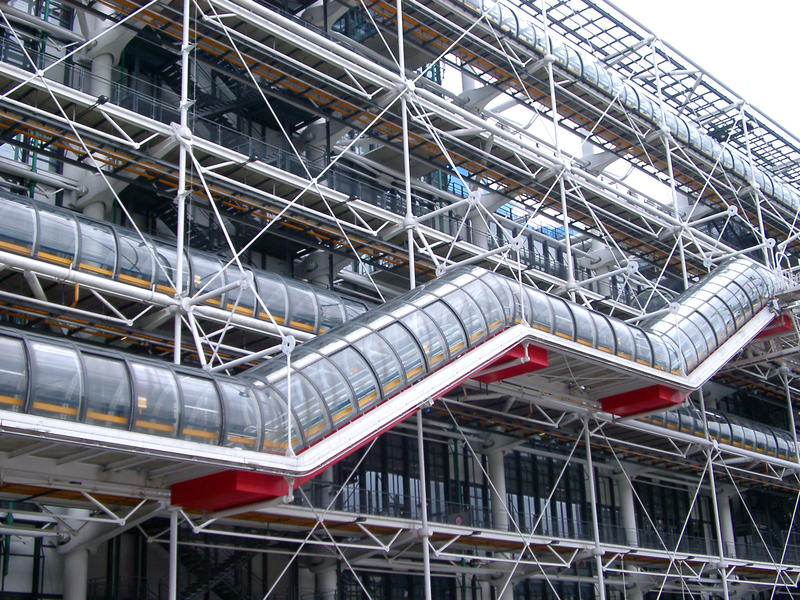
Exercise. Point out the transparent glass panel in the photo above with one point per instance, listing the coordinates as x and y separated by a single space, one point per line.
605 334
383 362
450 327
584 325
307 406
243 299
16 227
644 354
135 260
201 419
108 392
358 375
206 277
242 421
428 336
469 314
55 382
353 308
706 342
661 360
624 336
489 304
13 374
562 318
502 287
687 347
407 350
333 388
331 310
98 251
272 291
156 408
541 314
303 306
57 238
166 268
273 420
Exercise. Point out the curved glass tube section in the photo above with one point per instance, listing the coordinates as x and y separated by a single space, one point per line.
340 375
728 429
69 239
529 32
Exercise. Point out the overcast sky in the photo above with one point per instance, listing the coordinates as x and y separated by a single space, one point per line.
752 47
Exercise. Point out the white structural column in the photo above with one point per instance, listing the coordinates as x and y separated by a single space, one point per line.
327 581
726 521
627 509
305 583
497 475
76 565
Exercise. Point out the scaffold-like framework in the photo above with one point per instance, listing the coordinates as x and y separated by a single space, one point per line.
560 145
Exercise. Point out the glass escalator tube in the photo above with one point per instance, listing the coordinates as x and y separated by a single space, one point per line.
241 299
108 391
18 226
98 248
57 239
201 411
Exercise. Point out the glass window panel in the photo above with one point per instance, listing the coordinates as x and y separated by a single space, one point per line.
428 336
273 420
242 420
383 362
661 360
605 334
541 313
108 392
306 405
506 291
57 238
241 298
166 268
206 277
718 325
562 318
13 374
707 340
403 343
135 260
624 337
272 292
331 310
333 388
488 303
303 306
16 227
56 381
644 354
687 347
353 309
156 407
584 325
201 418
98 248
358 375
450 326
469 314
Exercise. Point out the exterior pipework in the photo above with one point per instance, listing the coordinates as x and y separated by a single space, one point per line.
612 85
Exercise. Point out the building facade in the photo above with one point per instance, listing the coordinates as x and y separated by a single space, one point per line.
329 299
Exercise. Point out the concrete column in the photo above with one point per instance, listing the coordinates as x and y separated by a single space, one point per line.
305 583
627 509
95 210
726 523
327 582
76 574
497 475
102 75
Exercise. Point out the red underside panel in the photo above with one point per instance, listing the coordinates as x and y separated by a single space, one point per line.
642 400
781 324
227 489
517 364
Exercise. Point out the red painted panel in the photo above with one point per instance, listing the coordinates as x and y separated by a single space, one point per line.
642 400
780 324
537 359
226 489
